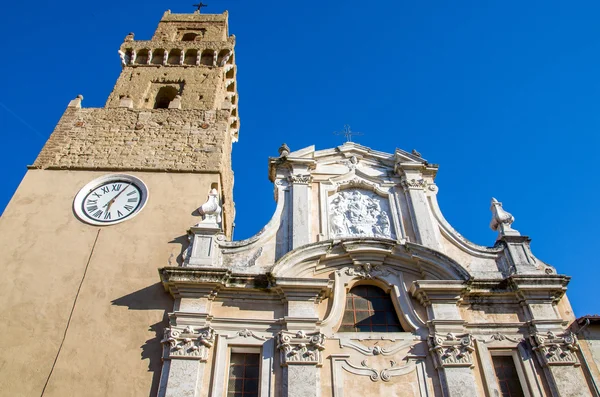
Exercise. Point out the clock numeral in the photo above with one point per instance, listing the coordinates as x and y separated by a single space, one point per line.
107 215
132 200
92 202
128 207
119 213
105 189
132 192
116 187
97 195
98 213
92 208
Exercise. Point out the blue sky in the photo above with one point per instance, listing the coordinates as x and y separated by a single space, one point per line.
504 95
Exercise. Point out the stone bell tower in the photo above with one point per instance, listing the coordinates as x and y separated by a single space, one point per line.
105 204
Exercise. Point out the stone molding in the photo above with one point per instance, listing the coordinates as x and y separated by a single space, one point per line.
189 343
340 361
366 271
556 349
300 348
375 350
452 350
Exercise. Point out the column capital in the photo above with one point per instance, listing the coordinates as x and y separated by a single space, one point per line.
555 349
300 348
452 350
187 343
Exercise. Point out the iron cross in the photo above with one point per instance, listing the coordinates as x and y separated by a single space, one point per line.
348 133
199 6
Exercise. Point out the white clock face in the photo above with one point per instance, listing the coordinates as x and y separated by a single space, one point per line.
110 199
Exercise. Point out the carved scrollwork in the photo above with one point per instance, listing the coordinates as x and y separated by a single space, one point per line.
300 348
452 350
498 337
413 183
556 349
374 374
301 179
375 350
188 343
367 271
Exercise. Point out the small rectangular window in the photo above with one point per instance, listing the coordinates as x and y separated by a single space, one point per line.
507 376
244 369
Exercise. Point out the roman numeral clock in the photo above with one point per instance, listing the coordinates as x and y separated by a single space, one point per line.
110 199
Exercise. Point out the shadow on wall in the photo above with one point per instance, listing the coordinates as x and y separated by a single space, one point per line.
152 297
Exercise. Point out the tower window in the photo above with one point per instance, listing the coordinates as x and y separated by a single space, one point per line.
243 375
142 57
207 57
164 97
369 309
158 57
506 374
190 57
224 57
174 57
189 37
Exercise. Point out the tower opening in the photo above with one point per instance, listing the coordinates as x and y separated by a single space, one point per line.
164 97
189 37
174 57
142 57
158 57
190 57
207 58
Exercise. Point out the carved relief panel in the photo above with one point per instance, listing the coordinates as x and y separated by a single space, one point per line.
359 213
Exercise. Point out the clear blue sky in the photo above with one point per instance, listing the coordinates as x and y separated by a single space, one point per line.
504 95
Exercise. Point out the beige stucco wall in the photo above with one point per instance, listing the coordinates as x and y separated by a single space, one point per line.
112 344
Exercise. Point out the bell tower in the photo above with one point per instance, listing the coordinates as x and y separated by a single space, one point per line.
106 204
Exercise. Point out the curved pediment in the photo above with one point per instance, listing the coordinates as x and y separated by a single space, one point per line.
313 259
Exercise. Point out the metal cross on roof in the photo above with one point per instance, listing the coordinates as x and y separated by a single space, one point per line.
199 6
348 133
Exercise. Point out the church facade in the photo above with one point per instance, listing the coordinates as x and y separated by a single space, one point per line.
357 285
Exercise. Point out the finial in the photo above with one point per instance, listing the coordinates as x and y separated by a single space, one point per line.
502 220
284 150
414 151
211 210
129 36
347 133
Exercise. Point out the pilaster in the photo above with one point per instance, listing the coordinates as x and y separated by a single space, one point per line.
301 356
185 352
554 346
449 343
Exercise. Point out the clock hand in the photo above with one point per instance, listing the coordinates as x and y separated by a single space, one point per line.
114 198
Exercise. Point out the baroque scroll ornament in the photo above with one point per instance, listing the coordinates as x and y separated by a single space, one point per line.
452 350
358 212
556 349
300 348
188 343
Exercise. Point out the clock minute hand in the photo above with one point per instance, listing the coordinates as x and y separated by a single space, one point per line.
114 198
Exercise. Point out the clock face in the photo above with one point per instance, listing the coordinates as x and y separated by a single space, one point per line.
110 199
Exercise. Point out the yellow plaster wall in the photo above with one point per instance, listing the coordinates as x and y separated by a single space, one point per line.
117 321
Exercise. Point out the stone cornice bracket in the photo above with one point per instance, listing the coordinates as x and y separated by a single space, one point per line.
502 220
438 291
542 288
452 350
300 348
556 349
187 343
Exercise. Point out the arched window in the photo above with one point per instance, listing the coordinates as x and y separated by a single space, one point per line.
174 57
369 309
164 97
